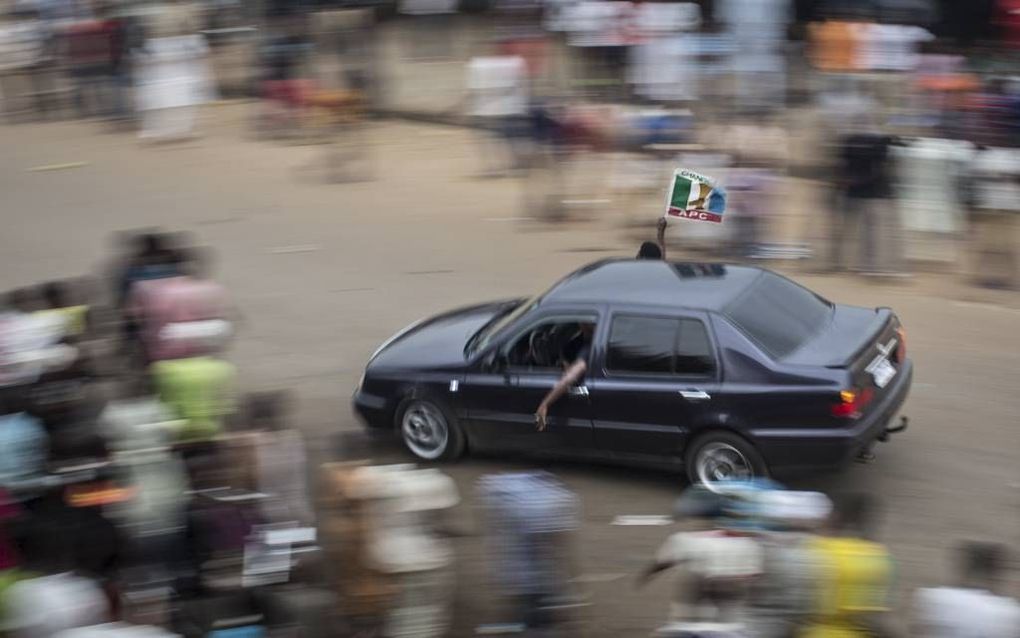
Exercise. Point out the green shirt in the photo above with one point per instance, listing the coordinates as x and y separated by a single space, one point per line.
199 390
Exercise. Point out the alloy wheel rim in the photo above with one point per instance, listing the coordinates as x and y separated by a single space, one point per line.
719 462
425 430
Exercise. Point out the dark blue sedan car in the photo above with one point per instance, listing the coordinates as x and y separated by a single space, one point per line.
727 371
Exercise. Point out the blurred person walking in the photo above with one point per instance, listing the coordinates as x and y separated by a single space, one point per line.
27 51
285 86
530 516
782 599
661 64
145 255
407 548
138 430
971 609
854 574
31 344
125 35
276 460
498 103
833 46
182 316
364 594
715 567
934 186
995 185
56 597
200 391
174 75
61 302
751 188
757 29
24 449
865 211
92 50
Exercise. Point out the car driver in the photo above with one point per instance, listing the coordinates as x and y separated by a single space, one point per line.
572 375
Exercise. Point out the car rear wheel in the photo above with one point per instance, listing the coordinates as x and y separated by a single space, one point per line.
723 456
429 431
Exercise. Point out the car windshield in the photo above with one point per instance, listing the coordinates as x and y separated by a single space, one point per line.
778 314
484 336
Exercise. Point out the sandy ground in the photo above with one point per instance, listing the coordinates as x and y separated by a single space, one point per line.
323 272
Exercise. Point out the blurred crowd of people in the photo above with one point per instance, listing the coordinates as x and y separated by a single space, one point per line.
914 136
753 559
142 494
110 60
907 113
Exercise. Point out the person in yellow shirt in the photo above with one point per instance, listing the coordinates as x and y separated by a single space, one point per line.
58 303
200 390
853 575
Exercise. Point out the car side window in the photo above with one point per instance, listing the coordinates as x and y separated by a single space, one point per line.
551 344
642 344
693 350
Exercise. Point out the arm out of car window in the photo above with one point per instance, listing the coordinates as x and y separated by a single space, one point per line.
660 236
572 375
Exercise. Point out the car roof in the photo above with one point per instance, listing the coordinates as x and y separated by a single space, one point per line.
702 286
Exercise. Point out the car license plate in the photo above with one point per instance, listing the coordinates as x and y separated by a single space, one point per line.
883 372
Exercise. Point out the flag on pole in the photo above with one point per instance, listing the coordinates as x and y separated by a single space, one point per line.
695 196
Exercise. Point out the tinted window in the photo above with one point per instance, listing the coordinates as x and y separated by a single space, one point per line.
779 314
642 344
693 353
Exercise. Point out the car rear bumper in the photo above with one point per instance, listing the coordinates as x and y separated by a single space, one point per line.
373 410
799 450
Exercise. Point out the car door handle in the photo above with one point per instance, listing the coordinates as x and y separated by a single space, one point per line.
695 395
579 391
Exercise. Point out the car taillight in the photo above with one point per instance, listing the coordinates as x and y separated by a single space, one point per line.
851 402
901 345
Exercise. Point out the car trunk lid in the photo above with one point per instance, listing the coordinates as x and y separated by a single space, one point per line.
850 335
878 360
866 344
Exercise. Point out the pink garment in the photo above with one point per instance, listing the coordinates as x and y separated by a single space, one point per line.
8 509
1008 19
158 303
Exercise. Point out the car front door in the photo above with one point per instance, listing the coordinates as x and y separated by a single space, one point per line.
501 395
658 377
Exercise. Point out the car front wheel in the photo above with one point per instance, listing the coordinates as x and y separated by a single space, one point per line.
723 456
428 431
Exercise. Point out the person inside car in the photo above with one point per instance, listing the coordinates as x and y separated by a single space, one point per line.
575 366
655 249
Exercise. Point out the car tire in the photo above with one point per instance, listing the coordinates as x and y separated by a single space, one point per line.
428 430
719 455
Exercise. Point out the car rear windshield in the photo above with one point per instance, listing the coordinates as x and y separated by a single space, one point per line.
778 314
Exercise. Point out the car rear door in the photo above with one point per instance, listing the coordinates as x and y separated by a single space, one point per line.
658 376
500 402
